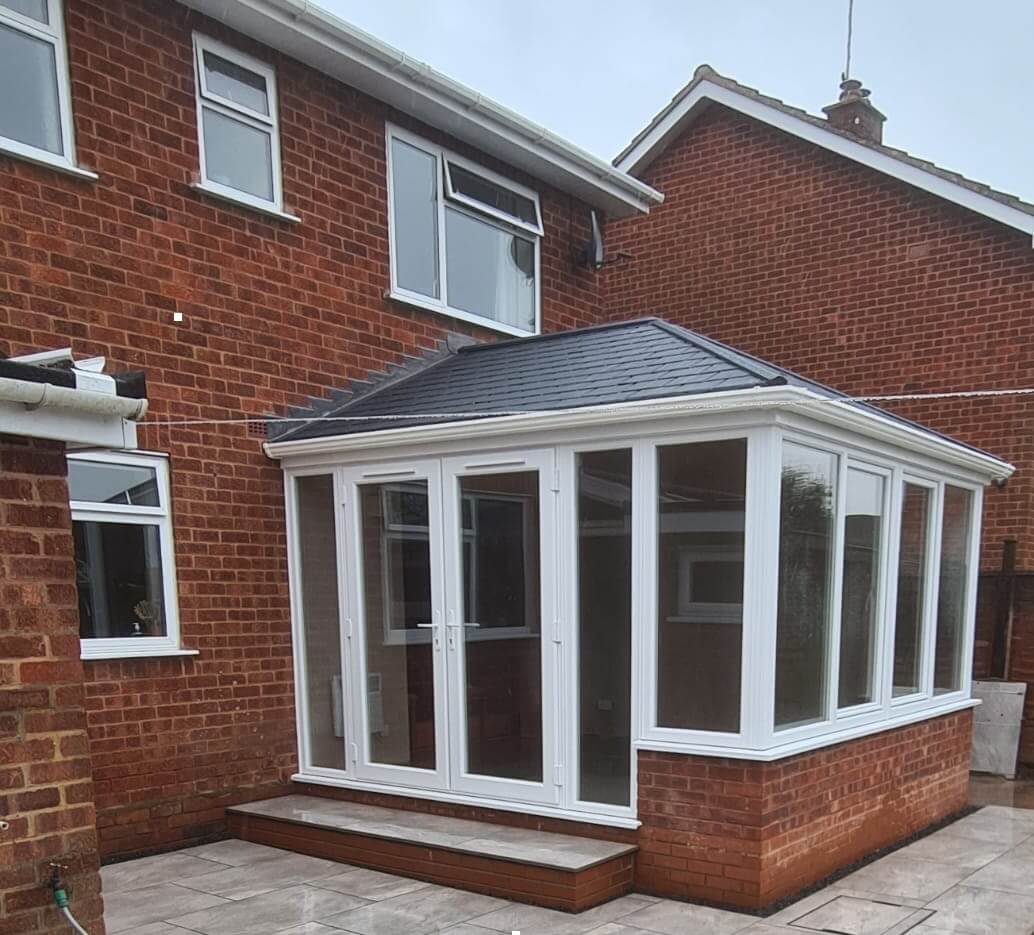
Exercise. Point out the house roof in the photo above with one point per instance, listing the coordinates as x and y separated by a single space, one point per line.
710 87
622 362
306 32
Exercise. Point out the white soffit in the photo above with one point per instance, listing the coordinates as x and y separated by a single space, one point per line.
682 114
317 38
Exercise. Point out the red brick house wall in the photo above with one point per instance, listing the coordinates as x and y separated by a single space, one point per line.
46 791
272 311
821 265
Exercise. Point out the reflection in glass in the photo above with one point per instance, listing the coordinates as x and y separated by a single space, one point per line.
502 625
396 583
912 560
97 482
33 9
29 109
238 155
604 625
233 82
492 194
317 573
863 522
491 271
118 573
805 584
414 184
951 597
701 503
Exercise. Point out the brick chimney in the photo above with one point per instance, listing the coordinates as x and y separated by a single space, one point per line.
855 113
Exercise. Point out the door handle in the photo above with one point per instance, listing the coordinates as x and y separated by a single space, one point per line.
425 626
460 626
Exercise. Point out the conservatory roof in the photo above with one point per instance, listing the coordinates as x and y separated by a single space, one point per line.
623 362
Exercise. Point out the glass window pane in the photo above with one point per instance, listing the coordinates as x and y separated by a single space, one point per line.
235 83
701 503
317 552
118 572
502 628
396 576
859 613
951 598
112 483
493 195
908 626
491 272
604 625
30 111
414 186
238 155
33 9
806 515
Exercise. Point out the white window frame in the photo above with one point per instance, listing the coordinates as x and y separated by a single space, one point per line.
469 206
53 33
132 514
266 123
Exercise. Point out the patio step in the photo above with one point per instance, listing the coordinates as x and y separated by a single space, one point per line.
545 869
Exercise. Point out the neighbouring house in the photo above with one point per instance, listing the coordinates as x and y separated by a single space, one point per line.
529 566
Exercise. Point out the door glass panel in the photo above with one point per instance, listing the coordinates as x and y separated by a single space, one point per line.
317 552
908 627
501 629
604 625
951 597
396 577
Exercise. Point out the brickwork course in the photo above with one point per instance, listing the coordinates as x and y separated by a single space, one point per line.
46 789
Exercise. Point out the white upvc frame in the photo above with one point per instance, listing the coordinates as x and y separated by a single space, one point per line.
159 517
265 123
473 208
53 33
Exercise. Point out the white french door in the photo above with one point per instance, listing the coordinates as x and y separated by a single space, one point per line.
451 607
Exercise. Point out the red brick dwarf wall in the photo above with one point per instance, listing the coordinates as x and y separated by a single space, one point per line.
851 278
46 790
748 834
273 311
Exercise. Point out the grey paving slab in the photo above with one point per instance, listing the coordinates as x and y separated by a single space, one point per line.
150 871
551 850
975 911
946 847
370 884
160 928
992 828
134 908
414 914
310 928
268 914
672 918
1023 815
265 876
906 877
233 853
530 920
849 915
1011 873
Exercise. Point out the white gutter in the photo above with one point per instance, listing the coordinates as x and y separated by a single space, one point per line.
44 395
319 39
780 398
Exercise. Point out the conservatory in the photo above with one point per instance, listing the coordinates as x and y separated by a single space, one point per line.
519 568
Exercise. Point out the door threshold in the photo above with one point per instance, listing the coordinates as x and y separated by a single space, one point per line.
435 795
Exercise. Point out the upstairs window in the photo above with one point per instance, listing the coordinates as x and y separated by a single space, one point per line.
464 240
238 133
35 107
125 573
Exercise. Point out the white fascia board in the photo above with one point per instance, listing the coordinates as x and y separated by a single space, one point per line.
317 38
76 429
675 121
860 422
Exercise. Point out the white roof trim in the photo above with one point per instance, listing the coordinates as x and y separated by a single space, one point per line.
317 38
839 413
677 118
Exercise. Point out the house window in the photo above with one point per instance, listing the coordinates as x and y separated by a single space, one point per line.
238 133
123 554
35 108
465 241
956 533
913 575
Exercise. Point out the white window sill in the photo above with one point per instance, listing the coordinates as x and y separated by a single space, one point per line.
242 202
145 654
41 157
429 305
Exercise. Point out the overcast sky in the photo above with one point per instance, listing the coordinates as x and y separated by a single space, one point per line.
952 76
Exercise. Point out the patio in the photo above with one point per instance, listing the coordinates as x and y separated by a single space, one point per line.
975 877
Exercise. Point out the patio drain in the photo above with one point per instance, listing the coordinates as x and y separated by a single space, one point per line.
853 915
